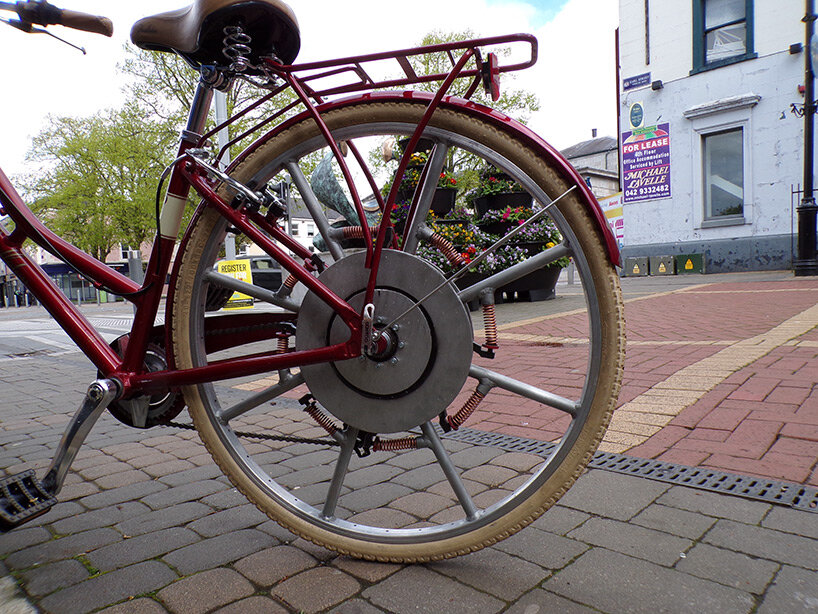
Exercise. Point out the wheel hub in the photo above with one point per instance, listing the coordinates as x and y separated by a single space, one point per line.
418 368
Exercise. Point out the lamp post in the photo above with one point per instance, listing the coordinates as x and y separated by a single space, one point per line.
807 261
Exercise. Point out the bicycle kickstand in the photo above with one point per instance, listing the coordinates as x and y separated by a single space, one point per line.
22 496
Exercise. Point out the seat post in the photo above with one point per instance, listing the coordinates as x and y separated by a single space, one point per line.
199 108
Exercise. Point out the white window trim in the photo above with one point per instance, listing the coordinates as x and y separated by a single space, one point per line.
719 117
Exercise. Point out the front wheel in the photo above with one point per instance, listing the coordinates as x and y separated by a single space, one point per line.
360 456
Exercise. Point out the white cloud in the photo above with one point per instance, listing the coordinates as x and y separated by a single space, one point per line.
574 76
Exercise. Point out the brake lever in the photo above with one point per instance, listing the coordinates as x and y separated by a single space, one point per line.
29 29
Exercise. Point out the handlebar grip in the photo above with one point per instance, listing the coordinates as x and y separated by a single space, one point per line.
86 22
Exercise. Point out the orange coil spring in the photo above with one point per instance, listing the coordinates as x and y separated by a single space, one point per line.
290 282
357 232
447 249
323 421
460 417
395 445
490 326
283 345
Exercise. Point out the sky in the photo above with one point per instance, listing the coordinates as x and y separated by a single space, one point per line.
574 76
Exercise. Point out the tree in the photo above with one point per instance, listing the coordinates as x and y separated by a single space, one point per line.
98 178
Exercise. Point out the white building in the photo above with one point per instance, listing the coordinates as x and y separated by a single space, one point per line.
719 77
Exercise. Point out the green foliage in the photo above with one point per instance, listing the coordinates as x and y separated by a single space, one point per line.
98 177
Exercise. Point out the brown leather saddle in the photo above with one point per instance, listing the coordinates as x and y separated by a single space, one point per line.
197 32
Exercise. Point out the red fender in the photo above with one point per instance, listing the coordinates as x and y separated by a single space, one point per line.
515 129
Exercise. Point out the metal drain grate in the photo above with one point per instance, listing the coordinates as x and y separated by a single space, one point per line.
760 489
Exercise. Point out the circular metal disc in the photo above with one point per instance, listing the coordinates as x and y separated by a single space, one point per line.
430 347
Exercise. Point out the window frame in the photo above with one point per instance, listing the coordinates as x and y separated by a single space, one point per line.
700 63
709 220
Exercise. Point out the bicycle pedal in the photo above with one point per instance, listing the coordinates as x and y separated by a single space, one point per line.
22 498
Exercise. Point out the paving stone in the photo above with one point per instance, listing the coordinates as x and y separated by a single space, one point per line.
410 591
226 499
102 517
633 540
46 579
421 504
136 606
205 591
543 548
792 521
729 568
420 478
715 504
316 589
219 550
410 460
365 570
18 539
375 474
612 495
560 520
356 606
543 602
243 517
63 548
765 543
794 590
373 497
613 582
197 474
272 565
63 509
141 548
674 521
120 495
474 456
109 588
253 605
510 576
179 494
164 518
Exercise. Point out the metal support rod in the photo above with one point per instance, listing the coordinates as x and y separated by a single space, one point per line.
807 258
99 396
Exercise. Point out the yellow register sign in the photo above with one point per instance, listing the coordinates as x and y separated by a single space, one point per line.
240 269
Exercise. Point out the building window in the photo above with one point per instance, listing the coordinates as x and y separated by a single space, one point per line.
722 33
723 174
294 228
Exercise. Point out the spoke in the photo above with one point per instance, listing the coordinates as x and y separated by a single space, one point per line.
431 175
517 271
315 209
286 382
449 470
231 283
341 468
525 390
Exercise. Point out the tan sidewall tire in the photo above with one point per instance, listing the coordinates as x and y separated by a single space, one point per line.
605 280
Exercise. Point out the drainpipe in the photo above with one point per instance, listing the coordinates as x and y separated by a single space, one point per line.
807 261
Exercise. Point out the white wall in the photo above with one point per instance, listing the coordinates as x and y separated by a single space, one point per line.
774 136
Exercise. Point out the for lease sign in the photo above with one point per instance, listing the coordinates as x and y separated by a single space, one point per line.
646 163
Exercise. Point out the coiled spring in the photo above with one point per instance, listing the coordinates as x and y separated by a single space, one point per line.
237 48
283 344
490 327
395 445
446 248
290 282
323 420
468 408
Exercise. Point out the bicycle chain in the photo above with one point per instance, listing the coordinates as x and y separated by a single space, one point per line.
262 436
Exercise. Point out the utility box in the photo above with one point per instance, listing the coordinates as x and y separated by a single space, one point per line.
690 263
662 265
635 267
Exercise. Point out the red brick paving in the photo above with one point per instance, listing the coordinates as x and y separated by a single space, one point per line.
761 420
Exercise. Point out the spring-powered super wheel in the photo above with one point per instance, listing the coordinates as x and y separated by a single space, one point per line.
425 356
428 446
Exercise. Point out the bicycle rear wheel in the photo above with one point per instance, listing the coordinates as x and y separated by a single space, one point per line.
531 416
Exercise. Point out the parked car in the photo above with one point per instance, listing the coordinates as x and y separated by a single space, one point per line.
266 274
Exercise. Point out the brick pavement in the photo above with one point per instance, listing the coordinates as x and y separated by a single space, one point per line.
147 524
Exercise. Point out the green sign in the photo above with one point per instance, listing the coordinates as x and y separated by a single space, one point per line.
637 115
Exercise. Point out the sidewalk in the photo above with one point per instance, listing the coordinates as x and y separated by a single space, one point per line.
721 372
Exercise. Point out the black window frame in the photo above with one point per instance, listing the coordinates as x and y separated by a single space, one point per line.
700 63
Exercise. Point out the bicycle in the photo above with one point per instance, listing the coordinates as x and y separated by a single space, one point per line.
382 354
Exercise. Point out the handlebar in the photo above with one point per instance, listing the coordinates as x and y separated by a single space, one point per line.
41 13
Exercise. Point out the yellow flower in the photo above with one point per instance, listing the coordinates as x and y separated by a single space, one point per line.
550 244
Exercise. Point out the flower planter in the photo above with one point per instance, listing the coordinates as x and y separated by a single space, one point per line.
443 200
499 228
539 285
495 202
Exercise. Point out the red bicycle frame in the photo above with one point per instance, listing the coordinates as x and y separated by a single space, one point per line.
188 173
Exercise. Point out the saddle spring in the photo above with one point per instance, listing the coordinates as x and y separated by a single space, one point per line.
237 48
